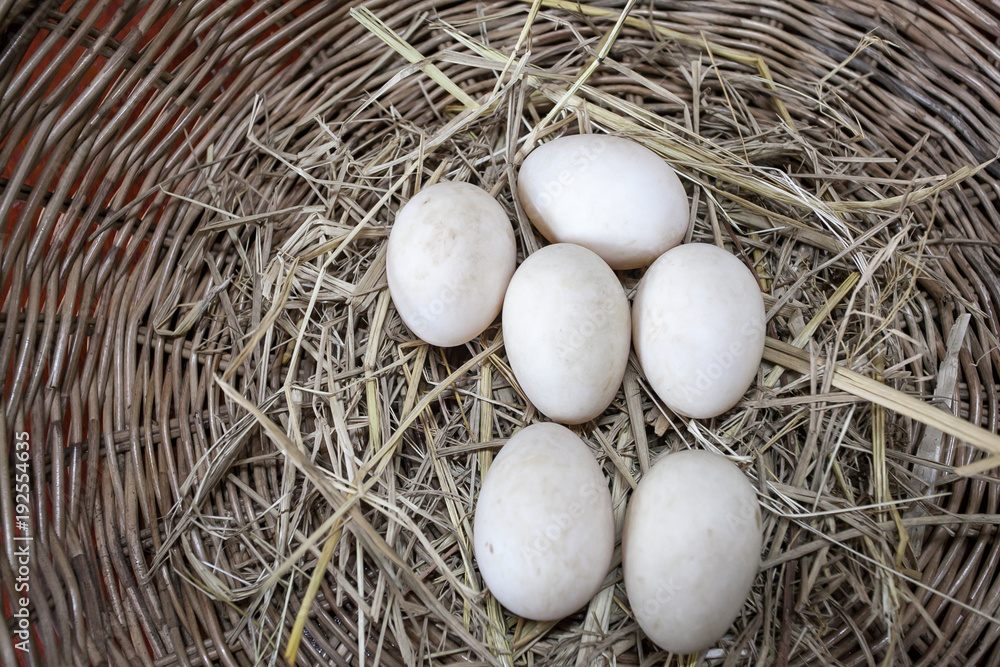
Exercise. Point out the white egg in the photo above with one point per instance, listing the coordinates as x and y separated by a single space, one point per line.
690 549
698 329
609 194
567 332
544 531
451 254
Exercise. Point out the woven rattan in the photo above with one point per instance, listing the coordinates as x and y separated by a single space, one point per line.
198 345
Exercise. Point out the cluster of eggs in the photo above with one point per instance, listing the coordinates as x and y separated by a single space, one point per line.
544 529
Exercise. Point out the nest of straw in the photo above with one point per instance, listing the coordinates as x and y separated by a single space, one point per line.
264 466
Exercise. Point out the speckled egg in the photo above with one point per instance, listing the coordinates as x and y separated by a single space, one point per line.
567 331
690 549
698 329
543 529
450 255
609 194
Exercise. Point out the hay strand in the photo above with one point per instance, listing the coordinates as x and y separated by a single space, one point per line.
240 455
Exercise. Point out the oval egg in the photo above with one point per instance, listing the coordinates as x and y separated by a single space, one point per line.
690 549
609 194
698 329
543 530
451 253
567 332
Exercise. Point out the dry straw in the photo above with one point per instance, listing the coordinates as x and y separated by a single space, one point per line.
245 456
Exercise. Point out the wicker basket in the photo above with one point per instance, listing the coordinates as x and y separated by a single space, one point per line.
159 159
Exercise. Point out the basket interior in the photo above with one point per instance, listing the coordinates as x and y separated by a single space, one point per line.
221 400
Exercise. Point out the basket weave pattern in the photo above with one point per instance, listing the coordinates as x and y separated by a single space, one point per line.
125 126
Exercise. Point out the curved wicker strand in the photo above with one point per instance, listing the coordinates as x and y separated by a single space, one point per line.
178 176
